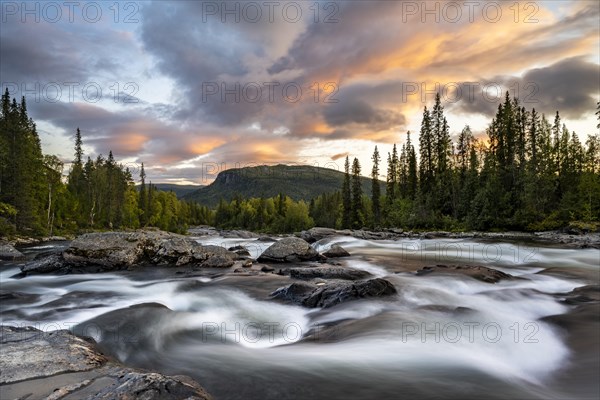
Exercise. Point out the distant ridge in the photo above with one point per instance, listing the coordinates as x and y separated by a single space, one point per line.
298 182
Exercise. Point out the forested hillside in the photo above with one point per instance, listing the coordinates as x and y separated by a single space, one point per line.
299 182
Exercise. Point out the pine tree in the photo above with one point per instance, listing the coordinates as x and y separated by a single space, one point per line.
357 214
346 196
143 198
375 189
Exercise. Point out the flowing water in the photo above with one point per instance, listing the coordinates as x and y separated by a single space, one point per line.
440 337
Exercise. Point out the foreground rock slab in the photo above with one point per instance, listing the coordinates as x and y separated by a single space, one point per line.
56 365
289 249
480 273
312 296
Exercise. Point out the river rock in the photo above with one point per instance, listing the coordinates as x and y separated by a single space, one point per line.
241 251
349 274
107 251
328 295
583 295
483 274
43 358
289 249
113 250
336 251
9 253
52 263
317 233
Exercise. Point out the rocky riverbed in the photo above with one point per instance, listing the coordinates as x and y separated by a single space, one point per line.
249 316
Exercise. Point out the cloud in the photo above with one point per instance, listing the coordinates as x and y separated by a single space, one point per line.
570 86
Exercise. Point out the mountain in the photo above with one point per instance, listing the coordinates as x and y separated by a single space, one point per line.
179 190
298 182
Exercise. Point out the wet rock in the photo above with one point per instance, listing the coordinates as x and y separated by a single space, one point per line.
265 239
107 251
113 250
349 274
239 234
39 357
336 251
483 274
52 263
583 295
315 234
289 249
328 295
241 251
9 253
247 263
218 261
267 268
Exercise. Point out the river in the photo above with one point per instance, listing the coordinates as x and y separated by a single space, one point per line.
440 337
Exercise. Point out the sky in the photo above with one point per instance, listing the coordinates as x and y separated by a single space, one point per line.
191 88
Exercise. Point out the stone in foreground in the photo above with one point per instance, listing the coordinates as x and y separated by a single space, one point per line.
336 251
290 249
312 296
58 364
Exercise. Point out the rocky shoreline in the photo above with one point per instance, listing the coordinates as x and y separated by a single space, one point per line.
60 365
568 238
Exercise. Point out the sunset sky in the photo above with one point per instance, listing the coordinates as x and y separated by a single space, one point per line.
361 65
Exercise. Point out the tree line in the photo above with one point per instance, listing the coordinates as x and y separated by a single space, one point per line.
527 173
97 194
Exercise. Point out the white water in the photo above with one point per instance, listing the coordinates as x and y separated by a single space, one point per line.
496 331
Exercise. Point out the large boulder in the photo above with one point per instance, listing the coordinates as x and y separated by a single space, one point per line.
349 274
113 250
289 249
9 253
108 251
37 357
183 251
480 273
311 295
336 251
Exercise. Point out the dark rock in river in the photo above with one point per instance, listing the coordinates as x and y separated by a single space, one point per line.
107 251
315 234
289 249
54 263
583 295
113 249
9 253
311 295
241 251
336 251
483 274
349 274
58 364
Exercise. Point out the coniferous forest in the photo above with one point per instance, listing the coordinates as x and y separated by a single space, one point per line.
528 172
35 198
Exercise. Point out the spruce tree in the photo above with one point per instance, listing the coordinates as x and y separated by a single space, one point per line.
346 197
357 214
375 189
